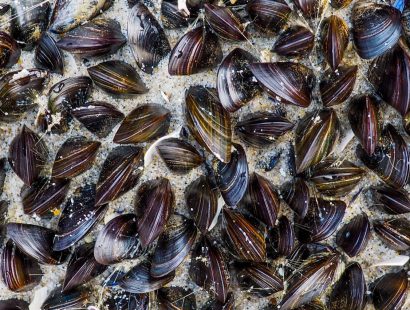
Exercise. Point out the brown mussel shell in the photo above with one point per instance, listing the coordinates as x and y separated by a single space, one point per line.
208 121
172 17
196 51
146 37
354 236
392 201
9 50
60 300
339 4
310 8
390 291
395 233
294 41
269 15
296 195
337 86
281 238
143 124
48 56
177 298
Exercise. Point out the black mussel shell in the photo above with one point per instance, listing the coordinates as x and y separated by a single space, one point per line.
354 236
120 173
147 39
393 201
296 195
229 304
44 196
95 38
202 202
2 174
305 251
117 77
27 155
69 14
281 238
287 82
9 50
82 267
60 300
294 41
310 8
173 246
321 221
337 86
144 123
390 291
394 232
179 155
154 204
235 82
171 16
48 56
18 271
245 240
376 28
139 280
316 135
36 242
390 161
13 304
177 298
208 121
269 15
118 240
98 117
78 217
196 51
349 291
261 129
122 300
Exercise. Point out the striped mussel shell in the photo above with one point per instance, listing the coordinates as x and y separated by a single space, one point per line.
395 233
172 17
59 300
281 238
294 41
48 55
311 8
268 15
390 291
391 200
9 50
335 38
337 86
297 196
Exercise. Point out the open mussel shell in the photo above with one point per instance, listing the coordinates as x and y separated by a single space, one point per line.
120 173
172 17
143 124
147 39
48 56
294 41
98 117
60 300
118 240
75 156
372 38
288 82
232 177
36 242
9 50
95 38
354 236
139 280
390 161
281 238
44 196
349 291
395 233
208 121
117 77
13 304
245 240
316 135
178 155
78 217
177 298
122 300
69 14
321 221
310 279
82 267
27 155
311 8
209 270
261 129
235 82
337 86
18 271
390 291
173 246
297 196
269 16
392 201
154 203
196 51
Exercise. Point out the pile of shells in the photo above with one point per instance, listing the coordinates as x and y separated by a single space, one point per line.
235 235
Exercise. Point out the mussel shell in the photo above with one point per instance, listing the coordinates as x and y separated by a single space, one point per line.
294 41
48 56
154 203
13 304
147 39
269 15
171 16
143 124
337 86
36 242
296 195
235 82
395 233
393 201
281 238
196 51
350 290
339 4
406 122
316 304
310 8
372 38
120 173
117 77
177 298
390 291
208 121
354 236
335 38
229 304
288 82
9 50
2 174
59 300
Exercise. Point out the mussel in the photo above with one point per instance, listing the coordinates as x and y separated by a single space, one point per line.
392 201
269 15
48 56
335 37
9 50
394 232
297 196
337 86
294 41
390 291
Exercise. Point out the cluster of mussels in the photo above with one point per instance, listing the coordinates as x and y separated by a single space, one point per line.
254 233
